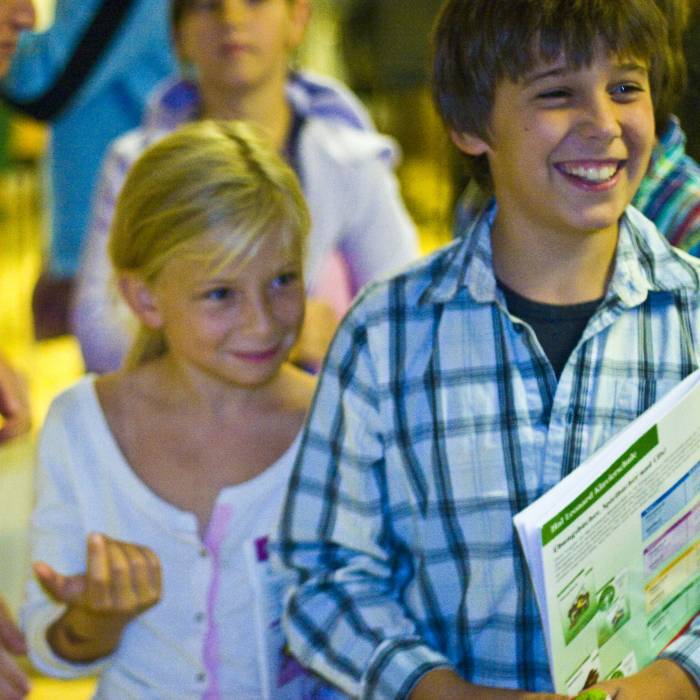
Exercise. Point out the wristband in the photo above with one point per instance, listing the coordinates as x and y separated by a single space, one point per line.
593 695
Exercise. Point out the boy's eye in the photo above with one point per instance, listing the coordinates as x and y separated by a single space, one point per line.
627 90
554 94
207 5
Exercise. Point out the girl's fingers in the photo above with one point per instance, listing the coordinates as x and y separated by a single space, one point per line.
154 571
145 577
66 589
123 577
99 582
123 595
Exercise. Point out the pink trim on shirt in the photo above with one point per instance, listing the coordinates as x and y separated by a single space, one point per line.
213 539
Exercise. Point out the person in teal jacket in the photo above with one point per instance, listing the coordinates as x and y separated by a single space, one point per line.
87 75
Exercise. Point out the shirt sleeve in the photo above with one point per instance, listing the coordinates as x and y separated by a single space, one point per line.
100 319
344 615
685 651
57 538
379 237
691 242
42 57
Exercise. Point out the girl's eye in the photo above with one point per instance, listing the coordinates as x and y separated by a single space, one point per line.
285 279
219 294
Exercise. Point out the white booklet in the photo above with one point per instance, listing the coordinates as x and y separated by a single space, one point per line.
281 675
614 548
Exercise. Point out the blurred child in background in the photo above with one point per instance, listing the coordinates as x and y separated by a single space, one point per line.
236 63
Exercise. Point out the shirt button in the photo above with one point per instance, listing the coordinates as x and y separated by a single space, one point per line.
204 552
201 677
199 617
570 416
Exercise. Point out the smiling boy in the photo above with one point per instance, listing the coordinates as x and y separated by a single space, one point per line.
458 392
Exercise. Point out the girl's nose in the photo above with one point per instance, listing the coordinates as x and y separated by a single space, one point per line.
259 316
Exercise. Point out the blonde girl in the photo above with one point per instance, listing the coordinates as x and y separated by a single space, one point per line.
158 484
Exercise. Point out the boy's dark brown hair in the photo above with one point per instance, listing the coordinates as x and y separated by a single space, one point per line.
478 43
677 14
177 10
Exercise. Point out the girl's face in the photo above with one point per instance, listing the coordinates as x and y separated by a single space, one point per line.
236 324
241 44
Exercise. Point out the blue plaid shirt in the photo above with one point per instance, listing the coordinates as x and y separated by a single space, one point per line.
437 418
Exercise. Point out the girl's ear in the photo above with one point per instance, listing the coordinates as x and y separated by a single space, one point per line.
299 14
140 298
468 143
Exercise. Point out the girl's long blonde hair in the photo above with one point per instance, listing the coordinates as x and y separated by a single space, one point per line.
208 176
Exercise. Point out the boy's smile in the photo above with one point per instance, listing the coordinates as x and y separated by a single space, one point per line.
592 175
568 147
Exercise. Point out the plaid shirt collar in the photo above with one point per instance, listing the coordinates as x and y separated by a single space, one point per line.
644 263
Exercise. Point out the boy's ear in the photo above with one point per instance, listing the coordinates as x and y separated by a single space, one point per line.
178 48
300 12
469 143
140 298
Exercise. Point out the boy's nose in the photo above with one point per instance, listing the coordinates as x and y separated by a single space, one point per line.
600 119
232 11
23 14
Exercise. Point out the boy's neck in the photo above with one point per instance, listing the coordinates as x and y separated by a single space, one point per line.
266 106
554 269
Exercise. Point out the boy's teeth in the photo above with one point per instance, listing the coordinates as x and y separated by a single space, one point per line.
593 174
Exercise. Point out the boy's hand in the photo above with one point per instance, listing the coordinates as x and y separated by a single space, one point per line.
122 581
13 683
14 403
662 680
445 684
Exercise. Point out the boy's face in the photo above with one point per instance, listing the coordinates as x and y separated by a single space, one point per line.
15 15
241 44
568 148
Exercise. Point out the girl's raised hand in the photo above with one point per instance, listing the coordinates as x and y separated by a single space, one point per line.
121 582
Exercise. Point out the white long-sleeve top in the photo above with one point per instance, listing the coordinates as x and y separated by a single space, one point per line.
205 637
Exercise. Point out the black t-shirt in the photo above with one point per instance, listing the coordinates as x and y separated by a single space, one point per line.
557 327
